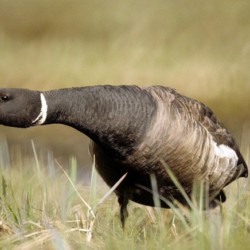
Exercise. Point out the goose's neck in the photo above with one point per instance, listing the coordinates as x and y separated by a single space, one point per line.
116 116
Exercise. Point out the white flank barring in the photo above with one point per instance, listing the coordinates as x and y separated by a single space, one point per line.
223 151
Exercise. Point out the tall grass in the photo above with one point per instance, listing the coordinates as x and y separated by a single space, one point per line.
201 48
55 212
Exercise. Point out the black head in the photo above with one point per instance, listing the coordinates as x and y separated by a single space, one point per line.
19 107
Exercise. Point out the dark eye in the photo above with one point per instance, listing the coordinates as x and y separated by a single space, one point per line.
5 98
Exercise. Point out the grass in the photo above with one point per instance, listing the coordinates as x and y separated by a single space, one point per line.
200 48
54 211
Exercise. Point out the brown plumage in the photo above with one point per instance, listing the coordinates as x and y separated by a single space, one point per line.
138 131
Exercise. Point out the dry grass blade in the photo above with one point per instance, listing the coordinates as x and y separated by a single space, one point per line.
74 187
111 190
90 221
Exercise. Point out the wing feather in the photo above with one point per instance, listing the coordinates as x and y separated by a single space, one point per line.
205 116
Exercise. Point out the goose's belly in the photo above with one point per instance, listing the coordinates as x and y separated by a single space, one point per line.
137 184
109 168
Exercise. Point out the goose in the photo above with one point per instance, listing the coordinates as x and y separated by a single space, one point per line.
137 132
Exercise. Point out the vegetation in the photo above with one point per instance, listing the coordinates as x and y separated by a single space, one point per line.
42 206
200 48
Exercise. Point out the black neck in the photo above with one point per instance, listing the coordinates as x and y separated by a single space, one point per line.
115 116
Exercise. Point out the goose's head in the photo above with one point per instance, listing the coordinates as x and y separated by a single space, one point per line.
19 107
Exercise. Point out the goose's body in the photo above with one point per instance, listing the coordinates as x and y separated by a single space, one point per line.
138 131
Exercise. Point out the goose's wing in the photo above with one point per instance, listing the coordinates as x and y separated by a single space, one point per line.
205 116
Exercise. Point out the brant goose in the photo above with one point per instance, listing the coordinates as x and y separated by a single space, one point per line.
138 131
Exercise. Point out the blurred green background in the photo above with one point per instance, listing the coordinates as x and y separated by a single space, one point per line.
201 48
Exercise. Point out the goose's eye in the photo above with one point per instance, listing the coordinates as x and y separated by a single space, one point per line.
5 98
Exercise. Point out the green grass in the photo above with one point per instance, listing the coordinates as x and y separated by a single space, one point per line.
201 48
54 211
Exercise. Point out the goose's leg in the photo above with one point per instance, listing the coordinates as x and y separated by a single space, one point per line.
123 202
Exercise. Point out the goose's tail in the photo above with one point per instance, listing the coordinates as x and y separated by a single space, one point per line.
244 171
